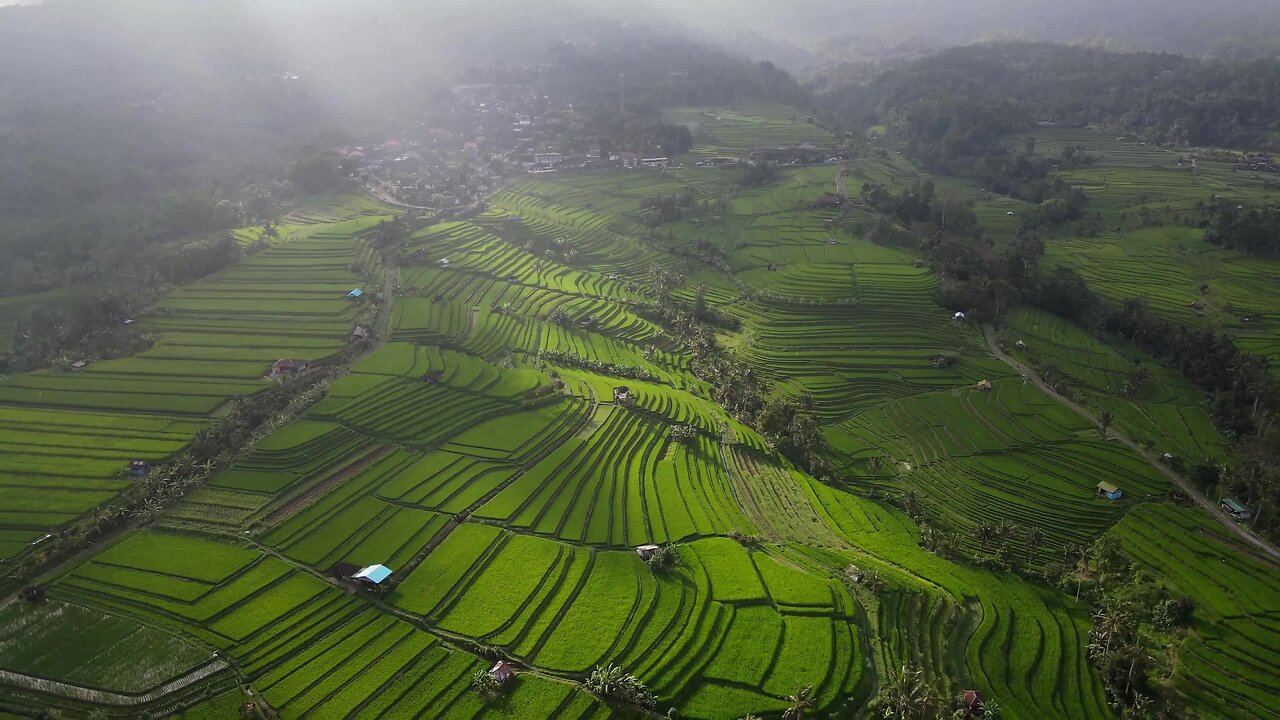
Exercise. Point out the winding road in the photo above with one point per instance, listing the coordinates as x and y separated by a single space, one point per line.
1271 553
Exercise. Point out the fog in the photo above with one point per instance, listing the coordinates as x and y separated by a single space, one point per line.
1171 25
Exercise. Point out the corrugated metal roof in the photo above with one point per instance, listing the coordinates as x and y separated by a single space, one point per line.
374 574
1235 506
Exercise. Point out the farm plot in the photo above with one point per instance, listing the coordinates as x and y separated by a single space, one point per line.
67 436
453 393
56 465
850 357
624 484
1014 454
446 482
303 450
349 524
1166 412
47 641
567 609
1028 646
734 131
1224 663
217 592
1142 193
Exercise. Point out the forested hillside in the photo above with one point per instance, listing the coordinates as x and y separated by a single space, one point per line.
961 100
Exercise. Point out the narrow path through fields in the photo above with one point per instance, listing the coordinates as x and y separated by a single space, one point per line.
1225 520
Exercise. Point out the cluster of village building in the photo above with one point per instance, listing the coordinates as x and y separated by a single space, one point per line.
455 158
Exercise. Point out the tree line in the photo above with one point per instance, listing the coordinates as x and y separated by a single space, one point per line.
964 98
1252 230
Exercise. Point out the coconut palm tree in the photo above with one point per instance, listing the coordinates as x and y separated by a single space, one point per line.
874 463
1004 529
1034 537
1075 554
1110 625
1105 418
798 703
984 533
905 695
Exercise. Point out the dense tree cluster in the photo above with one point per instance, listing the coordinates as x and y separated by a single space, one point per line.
1135 619
661 209
920 203
573 360
755 174
647 133
1250 230
962 101
93 322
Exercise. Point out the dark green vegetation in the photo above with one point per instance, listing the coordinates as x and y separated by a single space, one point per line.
481 451
960 101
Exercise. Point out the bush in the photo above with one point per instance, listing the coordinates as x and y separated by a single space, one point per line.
486 685
1171 613
683 434
663 558
610 682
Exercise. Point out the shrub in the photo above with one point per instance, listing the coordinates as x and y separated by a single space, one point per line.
683 434
663 558
610 682
486 685
1171 613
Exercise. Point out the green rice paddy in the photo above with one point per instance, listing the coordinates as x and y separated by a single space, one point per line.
476 454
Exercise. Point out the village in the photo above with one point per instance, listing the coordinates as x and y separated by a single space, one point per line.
459 156
455 158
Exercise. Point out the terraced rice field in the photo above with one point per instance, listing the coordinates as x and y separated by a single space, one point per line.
478 451
732 131
1167 414
1225 666
1166 262
67 437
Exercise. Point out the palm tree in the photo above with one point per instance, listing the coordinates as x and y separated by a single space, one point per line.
1004 529
1034 537
606 681
1109 625
798 703
905 695
874 464
1075 555
1105 418
984 533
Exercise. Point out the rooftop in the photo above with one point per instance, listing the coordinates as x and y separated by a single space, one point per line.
1234 505
374 574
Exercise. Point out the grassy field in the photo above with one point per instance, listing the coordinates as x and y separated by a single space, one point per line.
479 453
